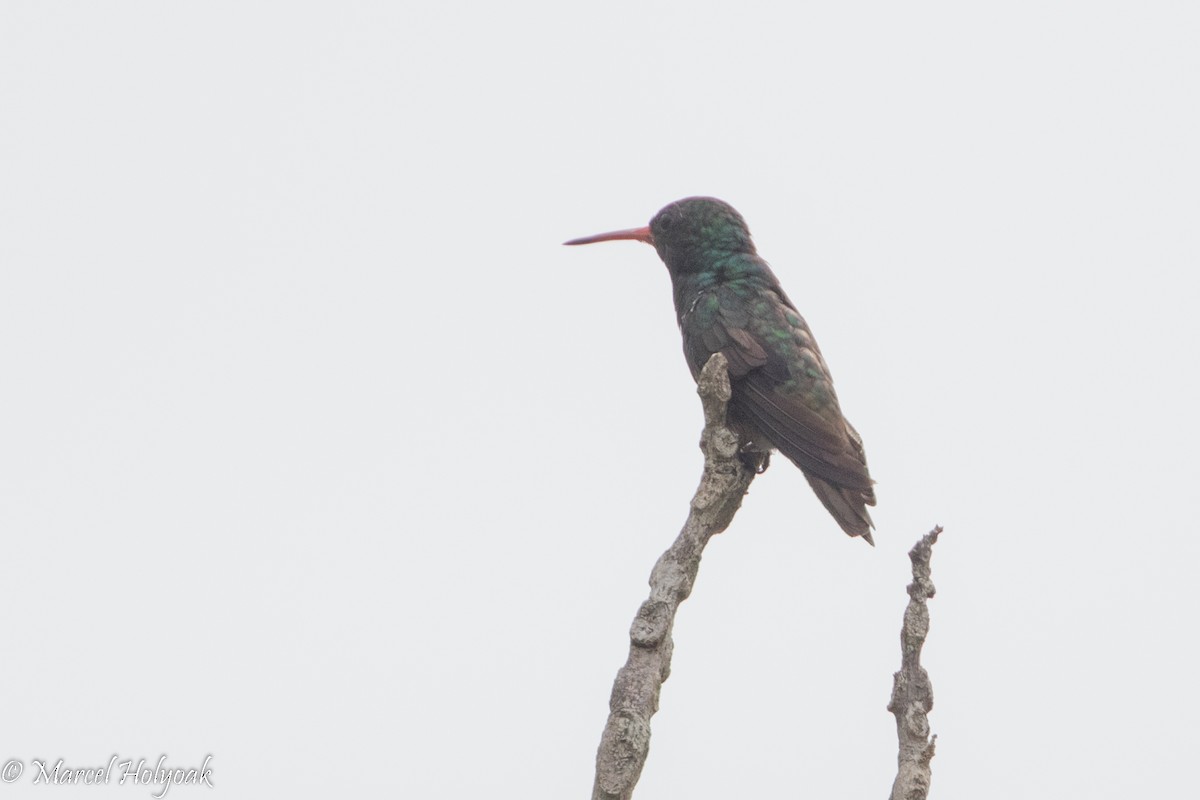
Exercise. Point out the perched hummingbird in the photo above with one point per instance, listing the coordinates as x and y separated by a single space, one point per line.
728 301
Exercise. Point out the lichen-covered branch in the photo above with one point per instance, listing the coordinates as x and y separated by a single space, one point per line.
626 738
912 693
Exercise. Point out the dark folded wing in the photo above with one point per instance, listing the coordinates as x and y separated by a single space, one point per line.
781 384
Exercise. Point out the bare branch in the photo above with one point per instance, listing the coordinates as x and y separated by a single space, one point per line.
626 738
912 693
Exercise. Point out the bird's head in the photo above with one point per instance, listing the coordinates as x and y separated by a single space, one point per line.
686 230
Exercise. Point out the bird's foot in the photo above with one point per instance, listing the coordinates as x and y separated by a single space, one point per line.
754 460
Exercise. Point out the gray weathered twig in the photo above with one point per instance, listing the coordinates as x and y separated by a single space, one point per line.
626 738
912 693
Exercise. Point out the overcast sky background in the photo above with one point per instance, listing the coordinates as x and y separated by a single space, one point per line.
319 453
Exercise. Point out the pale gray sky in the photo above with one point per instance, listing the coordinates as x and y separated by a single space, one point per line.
310 427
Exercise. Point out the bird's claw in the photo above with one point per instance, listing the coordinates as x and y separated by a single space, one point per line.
754 460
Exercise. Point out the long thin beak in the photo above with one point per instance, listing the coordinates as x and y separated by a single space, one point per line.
637 234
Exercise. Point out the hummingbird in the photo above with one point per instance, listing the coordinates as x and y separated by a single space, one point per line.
727 300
